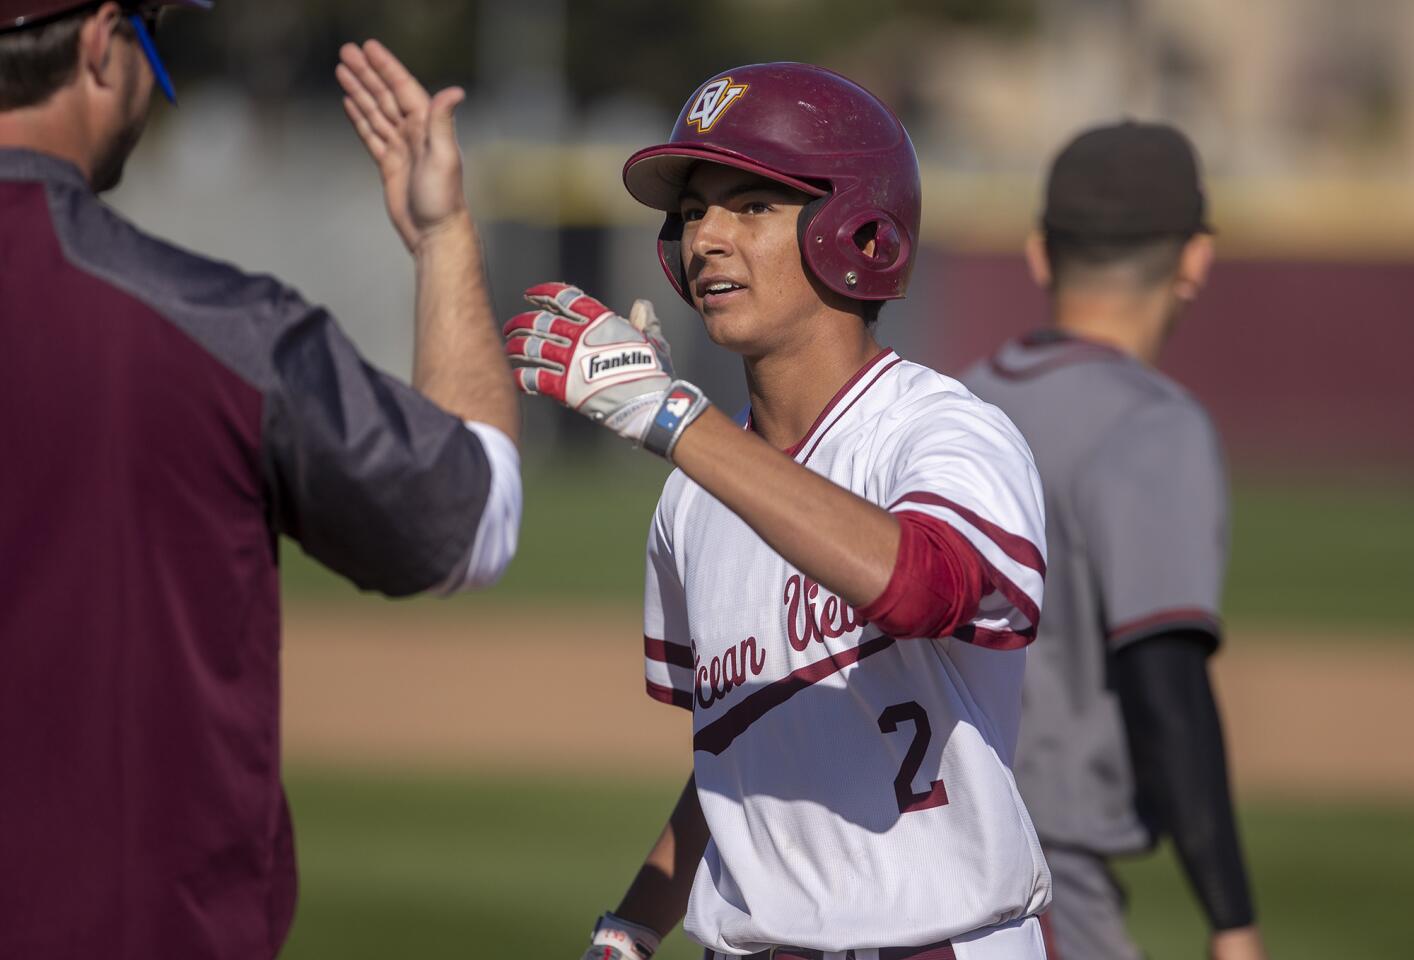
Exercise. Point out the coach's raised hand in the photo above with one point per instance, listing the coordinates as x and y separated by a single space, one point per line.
457 359
411 136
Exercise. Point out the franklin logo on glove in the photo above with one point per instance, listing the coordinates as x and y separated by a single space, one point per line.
599 364
615 370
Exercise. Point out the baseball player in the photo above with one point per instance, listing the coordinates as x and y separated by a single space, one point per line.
166 418
1121 741
840 587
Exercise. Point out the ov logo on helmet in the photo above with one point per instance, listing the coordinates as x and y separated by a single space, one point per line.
712 102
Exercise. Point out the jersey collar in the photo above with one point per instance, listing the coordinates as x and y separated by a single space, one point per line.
1042 351
842 400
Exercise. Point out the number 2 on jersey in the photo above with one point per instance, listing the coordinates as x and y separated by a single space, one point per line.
889 720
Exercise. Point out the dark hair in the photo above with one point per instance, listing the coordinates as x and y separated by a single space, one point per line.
1149 260
36 62
869 311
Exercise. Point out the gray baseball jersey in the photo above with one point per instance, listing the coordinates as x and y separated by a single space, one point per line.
1136 529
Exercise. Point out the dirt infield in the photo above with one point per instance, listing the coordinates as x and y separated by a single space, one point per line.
562 691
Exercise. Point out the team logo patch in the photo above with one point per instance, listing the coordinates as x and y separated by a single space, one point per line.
712 102
612 362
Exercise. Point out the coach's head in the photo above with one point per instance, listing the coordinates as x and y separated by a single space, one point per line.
1125 226
76 79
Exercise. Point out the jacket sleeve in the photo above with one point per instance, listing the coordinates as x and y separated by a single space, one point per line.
373 479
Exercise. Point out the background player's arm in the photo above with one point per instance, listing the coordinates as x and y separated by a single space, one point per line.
1154 510
1180 768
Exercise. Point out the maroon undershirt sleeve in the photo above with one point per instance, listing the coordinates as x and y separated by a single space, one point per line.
937 583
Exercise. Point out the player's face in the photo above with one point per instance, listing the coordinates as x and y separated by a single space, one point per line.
741 257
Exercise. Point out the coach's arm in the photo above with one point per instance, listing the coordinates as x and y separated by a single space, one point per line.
375 480
402 490
432 501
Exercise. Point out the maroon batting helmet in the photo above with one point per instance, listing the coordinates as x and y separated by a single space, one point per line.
816 131
20 13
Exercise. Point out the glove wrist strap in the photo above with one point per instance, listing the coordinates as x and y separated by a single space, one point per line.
681 405
631 939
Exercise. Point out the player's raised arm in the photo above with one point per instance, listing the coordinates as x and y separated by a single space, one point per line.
902 568
574 343
411 136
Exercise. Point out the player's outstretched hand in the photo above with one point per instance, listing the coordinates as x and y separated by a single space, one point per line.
615 370
411 136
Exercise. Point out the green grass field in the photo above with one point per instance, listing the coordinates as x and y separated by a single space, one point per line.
454 868
1305 555
1322 555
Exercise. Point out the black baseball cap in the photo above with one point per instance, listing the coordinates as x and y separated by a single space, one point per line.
1126 181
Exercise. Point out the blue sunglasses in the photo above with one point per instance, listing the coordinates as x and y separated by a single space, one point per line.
144 21
149 47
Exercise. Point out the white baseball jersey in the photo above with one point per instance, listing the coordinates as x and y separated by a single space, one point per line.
857 787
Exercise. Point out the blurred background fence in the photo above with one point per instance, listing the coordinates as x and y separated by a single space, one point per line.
451 782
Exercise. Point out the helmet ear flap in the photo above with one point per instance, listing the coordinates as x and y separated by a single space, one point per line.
856 250
670 254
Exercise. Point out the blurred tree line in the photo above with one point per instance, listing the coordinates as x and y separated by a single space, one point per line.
646 49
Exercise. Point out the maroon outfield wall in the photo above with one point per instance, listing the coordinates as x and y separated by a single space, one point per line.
1305 364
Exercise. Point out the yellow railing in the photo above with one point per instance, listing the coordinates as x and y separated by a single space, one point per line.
1338 218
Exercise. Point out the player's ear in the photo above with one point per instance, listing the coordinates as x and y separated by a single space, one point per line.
1194 265
1036 259
97 42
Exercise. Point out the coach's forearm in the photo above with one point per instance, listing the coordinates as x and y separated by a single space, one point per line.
838 539
657 898
458 359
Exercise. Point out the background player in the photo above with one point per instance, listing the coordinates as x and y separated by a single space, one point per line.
166 418
1121 740
842 592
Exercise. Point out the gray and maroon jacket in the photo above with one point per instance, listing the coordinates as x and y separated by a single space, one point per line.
163 418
